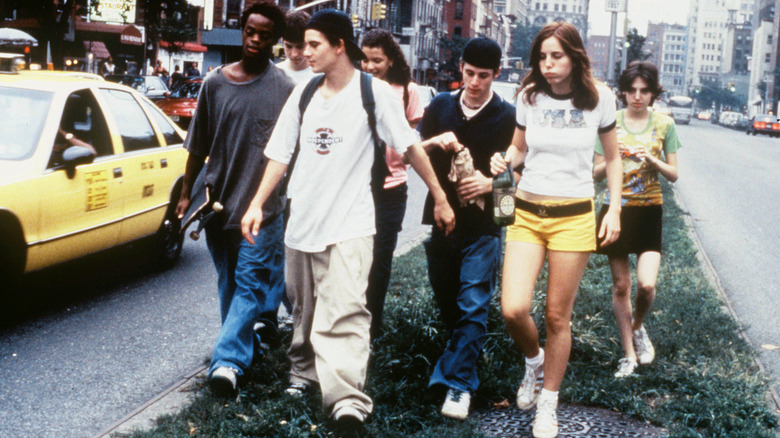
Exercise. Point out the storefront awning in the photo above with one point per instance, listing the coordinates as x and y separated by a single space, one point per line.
190 47
98 48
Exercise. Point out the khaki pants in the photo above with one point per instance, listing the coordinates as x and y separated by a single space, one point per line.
330 343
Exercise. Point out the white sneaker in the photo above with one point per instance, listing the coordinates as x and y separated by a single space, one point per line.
456 404
531 387
626 367
223 381
645 353
546 421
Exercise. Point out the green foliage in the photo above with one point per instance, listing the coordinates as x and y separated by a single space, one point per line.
703 382
715 93
522 37
453 47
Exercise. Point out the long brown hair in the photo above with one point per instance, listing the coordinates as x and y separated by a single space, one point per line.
585 94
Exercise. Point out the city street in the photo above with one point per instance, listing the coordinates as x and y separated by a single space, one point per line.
729 184
90 346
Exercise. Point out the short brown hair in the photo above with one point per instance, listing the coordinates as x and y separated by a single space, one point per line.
296 26
640 69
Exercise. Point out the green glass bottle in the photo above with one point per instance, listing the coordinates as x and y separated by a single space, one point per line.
504 197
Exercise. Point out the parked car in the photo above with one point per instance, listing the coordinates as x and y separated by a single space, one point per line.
85 165
180 104
152 87
728 119
764 124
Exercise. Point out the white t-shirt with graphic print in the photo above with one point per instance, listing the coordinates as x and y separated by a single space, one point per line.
561 141
330 184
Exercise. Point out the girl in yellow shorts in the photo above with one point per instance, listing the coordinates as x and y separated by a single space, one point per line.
561 111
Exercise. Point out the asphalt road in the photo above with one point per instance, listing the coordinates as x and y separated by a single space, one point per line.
91 342
730 185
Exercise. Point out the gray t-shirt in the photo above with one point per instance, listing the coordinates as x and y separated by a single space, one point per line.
231 127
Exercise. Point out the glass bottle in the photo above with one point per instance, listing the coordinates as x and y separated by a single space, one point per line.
504 197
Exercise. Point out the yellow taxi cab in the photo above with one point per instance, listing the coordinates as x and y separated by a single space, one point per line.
85 165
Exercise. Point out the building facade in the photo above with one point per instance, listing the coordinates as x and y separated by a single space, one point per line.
542 12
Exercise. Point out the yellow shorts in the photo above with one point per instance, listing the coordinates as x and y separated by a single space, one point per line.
571 233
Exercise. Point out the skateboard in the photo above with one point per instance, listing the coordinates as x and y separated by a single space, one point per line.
202 209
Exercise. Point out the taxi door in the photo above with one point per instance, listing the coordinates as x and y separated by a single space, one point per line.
81 210
151 165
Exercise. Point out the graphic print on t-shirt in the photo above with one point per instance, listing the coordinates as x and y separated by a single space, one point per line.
559 118
323 139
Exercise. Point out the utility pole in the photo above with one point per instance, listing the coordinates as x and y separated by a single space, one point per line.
613 6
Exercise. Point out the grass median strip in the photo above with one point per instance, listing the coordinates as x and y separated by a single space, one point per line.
703 381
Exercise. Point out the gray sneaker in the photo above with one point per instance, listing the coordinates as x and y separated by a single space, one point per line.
626 367
531 387
645 353
456 404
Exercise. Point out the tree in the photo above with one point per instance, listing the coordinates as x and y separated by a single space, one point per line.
634 51
636 44
453 49
522 37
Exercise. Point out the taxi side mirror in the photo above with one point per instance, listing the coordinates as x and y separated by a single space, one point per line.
74 156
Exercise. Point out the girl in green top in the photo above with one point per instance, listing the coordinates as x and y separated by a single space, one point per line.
648 144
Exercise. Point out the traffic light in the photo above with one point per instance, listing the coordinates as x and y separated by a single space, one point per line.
378 11
355 19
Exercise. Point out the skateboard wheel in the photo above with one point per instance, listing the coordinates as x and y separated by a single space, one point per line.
194 235
217 207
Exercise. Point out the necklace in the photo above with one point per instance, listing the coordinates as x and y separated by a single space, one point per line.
471 107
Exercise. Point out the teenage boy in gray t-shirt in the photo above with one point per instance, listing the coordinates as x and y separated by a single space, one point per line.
237 109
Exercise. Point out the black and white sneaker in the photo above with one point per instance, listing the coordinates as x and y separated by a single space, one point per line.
224 382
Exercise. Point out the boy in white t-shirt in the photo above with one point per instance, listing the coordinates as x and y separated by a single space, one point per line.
296 65
329 234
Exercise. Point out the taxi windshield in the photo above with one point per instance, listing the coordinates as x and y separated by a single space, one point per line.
24 112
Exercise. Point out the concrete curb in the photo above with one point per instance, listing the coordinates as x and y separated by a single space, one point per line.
172 399
712 276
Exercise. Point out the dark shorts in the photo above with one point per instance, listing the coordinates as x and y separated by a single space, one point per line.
640 230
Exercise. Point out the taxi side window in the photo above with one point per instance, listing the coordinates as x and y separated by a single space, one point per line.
171 136
136 131
84 121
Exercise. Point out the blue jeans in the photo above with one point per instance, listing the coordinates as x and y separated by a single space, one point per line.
462 270
390 207
250 280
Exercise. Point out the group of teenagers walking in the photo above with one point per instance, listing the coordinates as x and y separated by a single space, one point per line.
309 159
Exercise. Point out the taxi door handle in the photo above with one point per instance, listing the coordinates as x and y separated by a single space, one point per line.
163 163
118 172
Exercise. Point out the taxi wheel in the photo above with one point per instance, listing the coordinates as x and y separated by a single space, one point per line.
169 240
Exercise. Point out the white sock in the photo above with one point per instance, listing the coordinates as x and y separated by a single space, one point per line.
534 362
548 395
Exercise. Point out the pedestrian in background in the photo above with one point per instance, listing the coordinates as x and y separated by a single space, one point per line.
296 65
329 237
385 61
237 108
648 144
463 266
561 112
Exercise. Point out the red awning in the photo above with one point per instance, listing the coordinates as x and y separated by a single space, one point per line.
98 48
94 26
190 47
